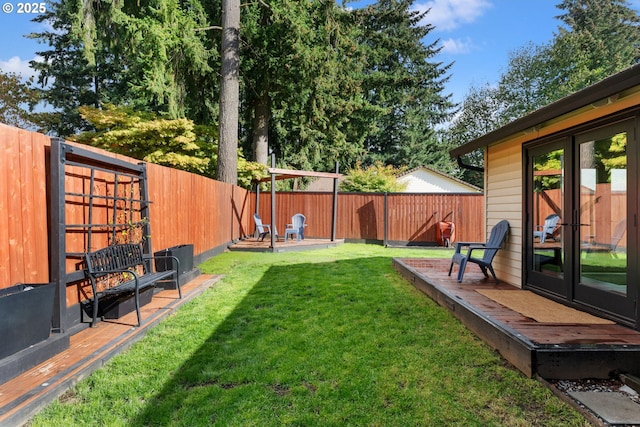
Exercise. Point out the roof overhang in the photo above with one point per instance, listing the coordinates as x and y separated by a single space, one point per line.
601 93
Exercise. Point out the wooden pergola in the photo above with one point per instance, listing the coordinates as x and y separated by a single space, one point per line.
279 174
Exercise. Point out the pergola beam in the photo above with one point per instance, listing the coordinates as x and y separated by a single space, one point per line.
292 173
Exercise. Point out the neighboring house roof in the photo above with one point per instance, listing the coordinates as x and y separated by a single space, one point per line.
426 180
597 95
419 180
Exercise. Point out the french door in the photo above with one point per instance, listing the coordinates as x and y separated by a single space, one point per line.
590 257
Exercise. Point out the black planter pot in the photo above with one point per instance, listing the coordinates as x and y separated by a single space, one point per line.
187 272
184 253
117 306
25 313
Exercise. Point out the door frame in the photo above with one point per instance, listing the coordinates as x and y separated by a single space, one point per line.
567 288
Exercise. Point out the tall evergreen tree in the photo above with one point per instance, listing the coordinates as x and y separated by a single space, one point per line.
316 79
147 54
68 79
402 78
229 93
301 69
599 38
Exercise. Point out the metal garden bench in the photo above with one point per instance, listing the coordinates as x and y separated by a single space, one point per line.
123 267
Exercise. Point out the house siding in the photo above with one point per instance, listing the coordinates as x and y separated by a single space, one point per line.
503 198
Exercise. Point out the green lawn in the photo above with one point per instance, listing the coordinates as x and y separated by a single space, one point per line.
331 337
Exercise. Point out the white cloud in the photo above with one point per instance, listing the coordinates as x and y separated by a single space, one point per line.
457 46
18 66
450 14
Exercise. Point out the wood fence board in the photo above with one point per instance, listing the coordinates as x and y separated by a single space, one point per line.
27 205
14 209
5 184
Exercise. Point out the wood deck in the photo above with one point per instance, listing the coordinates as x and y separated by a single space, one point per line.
291 245
552 351
23 396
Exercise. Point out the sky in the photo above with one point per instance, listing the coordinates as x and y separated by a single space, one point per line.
477 36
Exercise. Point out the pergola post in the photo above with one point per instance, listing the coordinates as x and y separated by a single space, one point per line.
255 228
273 203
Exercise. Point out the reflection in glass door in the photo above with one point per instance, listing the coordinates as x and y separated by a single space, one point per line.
582 201
602 228
546 253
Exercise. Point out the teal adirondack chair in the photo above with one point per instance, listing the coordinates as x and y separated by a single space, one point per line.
496 239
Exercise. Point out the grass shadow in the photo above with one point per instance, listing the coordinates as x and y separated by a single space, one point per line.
335 343
330 338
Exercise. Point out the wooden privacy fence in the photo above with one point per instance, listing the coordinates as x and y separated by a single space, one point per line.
185 209
189 209
395 218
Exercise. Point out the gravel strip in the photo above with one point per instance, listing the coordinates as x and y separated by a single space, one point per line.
593 385
596 385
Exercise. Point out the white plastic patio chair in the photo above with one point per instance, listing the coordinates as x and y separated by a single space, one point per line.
296 227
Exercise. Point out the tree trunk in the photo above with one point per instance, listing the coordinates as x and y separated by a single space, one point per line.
229 93
261 129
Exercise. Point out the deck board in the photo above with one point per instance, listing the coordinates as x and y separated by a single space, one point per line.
291 245
23 396
552 350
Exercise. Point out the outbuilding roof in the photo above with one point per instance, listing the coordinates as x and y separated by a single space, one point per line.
598 94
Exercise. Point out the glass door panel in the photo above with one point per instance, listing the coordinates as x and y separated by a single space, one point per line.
546 253
602 222
548 195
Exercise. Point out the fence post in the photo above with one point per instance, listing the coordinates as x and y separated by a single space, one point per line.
334 217
385 220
